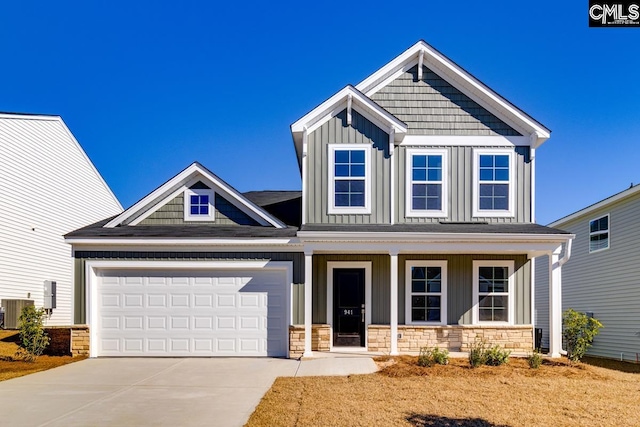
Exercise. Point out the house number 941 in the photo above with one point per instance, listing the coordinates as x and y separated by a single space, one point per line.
347 312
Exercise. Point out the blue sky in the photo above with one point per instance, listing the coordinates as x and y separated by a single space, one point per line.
149 87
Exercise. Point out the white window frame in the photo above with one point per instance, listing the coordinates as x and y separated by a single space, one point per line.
332 208
477 212
442 294
187 204
510 265
444 211
600 232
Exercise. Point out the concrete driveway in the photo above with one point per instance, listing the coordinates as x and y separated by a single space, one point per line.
157 392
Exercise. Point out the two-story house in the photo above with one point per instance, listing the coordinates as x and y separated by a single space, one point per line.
416 229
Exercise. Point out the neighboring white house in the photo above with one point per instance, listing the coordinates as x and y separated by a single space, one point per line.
48 187
603 276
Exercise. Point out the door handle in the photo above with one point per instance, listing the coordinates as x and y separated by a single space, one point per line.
362 313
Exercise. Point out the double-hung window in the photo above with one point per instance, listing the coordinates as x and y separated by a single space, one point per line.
349 178
426 183
493 291
199 205
426 292
494 183
599 234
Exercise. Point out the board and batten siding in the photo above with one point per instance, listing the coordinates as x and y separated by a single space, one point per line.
432 106
459 286
336 131
461 190
82 256
605 283
48 187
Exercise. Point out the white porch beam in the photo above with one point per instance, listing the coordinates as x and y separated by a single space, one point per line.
555 303
393 284
308 292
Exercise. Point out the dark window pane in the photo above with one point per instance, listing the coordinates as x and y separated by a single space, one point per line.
434 285
342 200
435 175
342 186
419 161
502 175
433 315
342 156
486 161
357 186
500 190
342 170
418 315
502 161
357 170
486 203
357 156
434 273
204 210
357 200
418 286
434 190
204 199
486 190
419 189
486 174
485 315
194 210
435 161
434 204
419 203
433 302
604 223
418 301
419 174
194 200
418 272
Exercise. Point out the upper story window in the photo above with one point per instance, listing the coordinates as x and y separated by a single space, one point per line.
599 234
349 178
426 183
199 205
426 292
494 183
493 299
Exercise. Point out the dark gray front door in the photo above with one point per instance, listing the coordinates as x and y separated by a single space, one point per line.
348 307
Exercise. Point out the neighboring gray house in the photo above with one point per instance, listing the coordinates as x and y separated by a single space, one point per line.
603 276
414 227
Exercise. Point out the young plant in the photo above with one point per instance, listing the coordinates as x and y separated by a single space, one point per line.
478 354
534 360
579 332
33 339
433 356
496 356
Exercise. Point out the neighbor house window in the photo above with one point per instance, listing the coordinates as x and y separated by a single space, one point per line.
349 186
199 205
493 291
493 183
426 183
599 234
426 292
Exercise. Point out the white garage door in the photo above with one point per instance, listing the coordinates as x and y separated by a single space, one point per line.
202 313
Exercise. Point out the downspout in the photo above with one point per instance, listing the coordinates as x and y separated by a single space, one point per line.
392 191
560 263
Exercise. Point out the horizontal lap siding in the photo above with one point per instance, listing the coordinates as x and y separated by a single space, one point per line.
82 256
434 107
606 283
336 131
461 186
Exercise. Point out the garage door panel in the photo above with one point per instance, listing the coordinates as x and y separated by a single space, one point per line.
204 313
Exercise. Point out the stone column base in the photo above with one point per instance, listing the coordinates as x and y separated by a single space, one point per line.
320 339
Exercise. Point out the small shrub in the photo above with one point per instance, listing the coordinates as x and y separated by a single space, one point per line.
478 354
33 339
433 356
496 356
534 360
579 331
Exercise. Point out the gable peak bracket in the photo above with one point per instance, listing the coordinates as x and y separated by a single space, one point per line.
349 102
420 62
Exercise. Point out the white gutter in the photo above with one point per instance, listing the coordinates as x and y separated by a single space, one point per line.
567 253
438 237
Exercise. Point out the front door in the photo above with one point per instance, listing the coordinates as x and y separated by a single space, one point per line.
348 307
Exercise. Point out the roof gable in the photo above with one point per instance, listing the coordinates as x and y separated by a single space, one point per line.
189 177
422 53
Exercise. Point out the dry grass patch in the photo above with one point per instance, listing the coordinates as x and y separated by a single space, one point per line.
403 394
12 368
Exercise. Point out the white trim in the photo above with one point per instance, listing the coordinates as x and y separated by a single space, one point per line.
477 212
608 232
366 265
93 267
443 290
464 141
458 78
409 211
178 182
332 209
305 168
510 294
188 216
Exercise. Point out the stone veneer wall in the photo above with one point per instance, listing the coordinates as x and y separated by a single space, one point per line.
451 337
80 340
68 340
320 339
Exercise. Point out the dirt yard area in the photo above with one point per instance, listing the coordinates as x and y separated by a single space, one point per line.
10 367
404 394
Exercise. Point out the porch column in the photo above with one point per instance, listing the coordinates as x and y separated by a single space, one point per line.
393 297
308 292
555 303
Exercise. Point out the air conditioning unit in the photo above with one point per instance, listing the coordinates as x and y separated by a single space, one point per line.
12 310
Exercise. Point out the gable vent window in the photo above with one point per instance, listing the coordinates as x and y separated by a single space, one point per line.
349 185
599 234
199 204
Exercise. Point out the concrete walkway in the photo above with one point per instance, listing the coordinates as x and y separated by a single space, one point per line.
157 392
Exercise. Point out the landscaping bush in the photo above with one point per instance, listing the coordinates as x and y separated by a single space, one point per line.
478 354
496 356
433 356
33 339
579 331
534 360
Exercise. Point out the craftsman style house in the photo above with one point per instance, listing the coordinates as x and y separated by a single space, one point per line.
415 229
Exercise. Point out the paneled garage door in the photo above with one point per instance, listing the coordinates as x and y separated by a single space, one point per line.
194 313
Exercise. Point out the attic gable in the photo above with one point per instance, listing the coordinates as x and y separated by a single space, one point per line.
161 205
